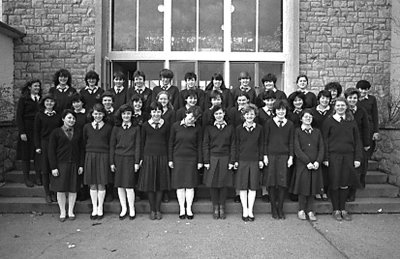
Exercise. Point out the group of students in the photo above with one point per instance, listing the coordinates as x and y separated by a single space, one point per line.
159 140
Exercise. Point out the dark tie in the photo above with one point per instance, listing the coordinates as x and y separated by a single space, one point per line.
308 131
156 125
280 124
69 133
322 112
125 126
341 118
36 99
139 91
97 126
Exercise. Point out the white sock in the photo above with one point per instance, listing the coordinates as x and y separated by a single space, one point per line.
101 195
122 200
61 200
131 201
252 199
93 197
71 203
243 200
189 201
237 192
180 194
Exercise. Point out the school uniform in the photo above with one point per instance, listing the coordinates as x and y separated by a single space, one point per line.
219 149
155 174
81 119
319 115
110 116
200 98
96 143
91 96
226 96
250 150
145 93
278 148
206 118
169 116
250 91
138 119
264 116
63 97
120 97
308 148
185 151
173 93
370 105
280 95
294 116
342 148
181 114
310 100
65 154
124 154
235 116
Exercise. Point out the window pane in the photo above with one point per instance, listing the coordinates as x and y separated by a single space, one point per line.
236 68
243 25
124 25
180 68
265 68
270 28
152 71
206 70
183 25
211 21
151 33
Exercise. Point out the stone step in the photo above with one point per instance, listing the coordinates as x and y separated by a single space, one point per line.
202 192
111 209
376 177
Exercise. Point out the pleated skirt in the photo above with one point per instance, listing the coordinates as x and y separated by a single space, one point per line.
341 171
124 175
154 174
97 169
218 175
276 173
184 173
307 182
247 176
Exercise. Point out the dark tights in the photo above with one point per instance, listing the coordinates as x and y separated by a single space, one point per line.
218 196
306 203
155 200
339 197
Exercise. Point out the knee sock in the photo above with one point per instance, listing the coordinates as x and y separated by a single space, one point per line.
130 193
181 196
159 195
101 195
223 192
189 201
152 200
93 197
71 203
61 200
122 200
243 200
302 202
214 196
252 199
342 198
335 199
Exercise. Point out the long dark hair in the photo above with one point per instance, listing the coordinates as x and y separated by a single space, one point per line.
26 92
62 72
216 76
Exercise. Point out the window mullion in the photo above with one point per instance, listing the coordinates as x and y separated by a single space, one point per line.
137 24
197 24
257 24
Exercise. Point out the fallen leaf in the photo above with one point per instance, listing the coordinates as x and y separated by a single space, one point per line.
16 236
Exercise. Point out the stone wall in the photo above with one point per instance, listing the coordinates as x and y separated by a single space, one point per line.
60 34
346 41
8 144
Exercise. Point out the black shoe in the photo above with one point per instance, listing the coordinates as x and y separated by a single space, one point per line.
190 217
281 215
53 197
293 197
123 217
93 217
132 217
182 216
245 219
265 198
48 198
100 217
251 219
237 199
28 181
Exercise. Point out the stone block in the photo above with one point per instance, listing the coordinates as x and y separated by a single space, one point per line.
384 55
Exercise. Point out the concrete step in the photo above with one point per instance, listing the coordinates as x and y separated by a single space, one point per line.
37 205
202 192
376 177
372 165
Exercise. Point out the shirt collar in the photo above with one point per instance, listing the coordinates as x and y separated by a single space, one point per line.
153 124
323 110
111 110
92 90
166 87
276 120
337 117
62 89
186 125
247 125
81 111
101 124
222 123
129 124
48 113
120 89
245 88
34 97
137 114
304 128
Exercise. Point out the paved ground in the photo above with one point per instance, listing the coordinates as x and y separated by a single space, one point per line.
42 236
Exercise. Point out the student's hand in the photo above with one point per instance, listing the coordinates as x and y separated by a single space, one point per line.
230 166
266 160
113 168
38 150
367 148
260 164
80 170
376 136
316 165
310 166
24 137
207 166
199 166
326 163
290 161
171 164
137 166
141 163
357 164
235 166
55 172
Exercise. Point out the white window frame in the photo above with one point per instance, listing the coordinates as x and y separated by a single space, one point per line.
289 56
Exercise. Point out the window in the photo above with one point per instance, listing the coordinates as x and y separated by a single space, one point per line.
206 36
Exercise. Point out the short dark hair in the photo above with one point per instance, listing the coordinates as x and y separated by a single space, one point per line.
119 74
300 76
334 85
76 97
139 73
188 93
279 104
107 94
25 91
99 108
156 106
92 75
166 73
215 94
293 96
363 84
325 93
66 112
269 78
62 72
190 75
351 91
268 95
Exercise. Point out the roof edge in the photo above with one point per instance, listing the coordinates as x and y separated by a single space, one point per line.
11 31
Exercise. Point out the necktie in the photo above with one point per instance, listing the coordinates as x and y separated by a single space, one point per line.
36 99
69 133
97 126
139 91
125 126
308 131
322 112
341 118
156 125
280 124
50 113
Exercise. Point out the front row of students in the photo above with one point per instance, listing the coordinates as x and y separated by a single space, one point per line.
169 156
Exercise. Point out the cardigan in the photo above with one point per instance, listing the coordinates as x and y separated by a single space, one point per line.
217 143
125 142
63 150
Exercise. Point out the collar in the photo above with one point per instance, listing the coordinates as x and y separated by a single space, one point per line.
142 89
222 123
66 129
354 109
81 111
137 114
59 88
111 110
297 110
319 109
305 128
101 124
118 90
276 120
186 125
35 97
305 91
129 124
365 98
337 117
245 88
166 87
50 113
247 125
92 90
153 124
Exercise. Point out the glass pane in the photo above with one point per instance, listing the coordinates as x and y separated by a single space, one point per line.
151 33
236 68
183 25
265 68
270 28
152 71
243 25
180 68
206 70
211 21
124 25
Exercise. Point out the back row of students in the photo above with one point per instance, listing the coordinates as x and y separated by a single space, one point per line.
216 94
